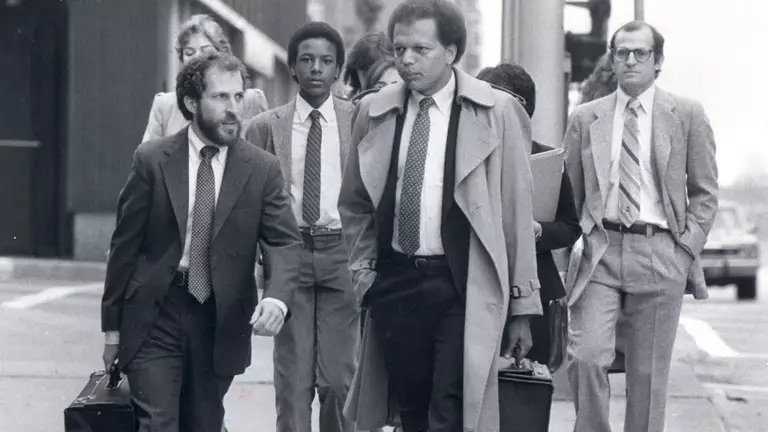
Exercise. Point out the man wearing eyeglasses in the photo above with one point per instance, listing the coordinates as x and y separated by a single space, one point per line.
642 163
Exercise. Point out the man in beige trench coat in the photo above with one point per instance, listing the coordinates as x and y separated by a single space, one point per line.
440 307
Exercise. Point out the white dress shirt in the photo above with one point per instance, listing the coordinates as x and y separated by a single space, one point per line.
651 207
330 160
430 241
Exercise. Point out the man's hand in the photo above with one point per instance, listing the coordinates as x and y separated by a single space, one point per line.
110 355
267 320
536 230
517 338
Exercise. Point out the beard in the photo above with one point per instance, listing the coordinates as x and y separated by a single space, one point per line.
217 132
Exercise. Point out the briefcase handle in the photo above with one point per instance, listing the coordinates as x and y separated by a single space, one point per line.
114 377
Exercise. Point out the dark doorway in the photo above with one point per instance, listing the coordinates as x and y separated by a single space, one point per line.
33 53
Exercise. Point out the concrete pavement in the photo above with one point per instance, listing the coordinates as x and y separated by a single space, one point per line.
30 385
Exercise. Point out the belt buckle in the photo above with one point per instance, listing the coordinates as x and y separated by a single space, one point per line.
649 230
418 262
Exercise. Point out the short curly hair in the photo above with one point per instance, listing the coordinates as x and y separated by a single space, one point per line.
315 30
206 26
368 51
190 82
451 28
514 78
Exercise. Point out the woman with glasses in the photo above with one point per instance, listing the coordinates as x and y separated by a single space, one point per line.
558 234
201 34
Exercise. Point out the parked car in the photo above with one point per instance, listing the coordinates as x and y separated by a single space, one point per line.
732 253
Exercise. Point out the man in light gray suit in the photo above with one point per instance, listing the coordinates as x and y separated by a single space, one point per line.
642 164
311 136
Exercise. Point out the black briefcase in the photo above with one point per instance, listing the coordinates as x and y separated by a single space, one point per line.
525 398
104 405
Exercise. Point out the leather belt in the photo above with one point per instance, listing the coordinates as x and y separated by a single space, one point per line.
319 231
180 278
648 230
419 262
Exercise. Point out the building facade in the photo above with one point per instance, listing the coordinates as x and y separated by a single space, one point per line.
78 81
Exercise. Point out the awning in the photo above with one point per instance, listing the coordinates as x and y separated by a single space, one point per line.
259 50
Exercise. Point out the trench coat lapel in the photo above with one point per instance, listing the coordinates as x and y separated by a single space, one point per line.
176 175
281 130
236 174
600 134
375 149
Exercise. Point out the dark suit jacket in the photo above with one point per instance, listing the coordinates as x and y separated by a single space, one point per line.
562 232
147 244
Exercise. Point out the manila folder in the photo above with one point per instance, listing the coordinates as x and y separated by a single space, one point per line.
547 169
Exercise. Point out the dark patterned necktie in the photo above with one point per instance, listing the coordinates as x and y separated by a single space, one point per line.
310 208
409 214
200 285
629 166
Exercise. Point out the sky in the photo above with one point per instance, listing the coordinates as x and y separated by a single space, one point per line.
715 52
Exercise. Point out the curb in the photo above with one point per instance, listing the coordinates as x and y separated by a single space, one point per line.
41 268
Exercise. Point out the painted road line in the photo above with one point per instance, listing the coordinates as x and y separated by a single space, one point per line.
707 338
48 295
736 387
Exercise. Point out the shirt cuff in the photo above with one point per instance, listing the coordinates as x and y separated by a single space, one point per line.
279 304
112 337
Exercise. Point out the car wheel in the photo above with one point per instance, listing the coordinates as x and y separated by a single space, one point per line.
746 288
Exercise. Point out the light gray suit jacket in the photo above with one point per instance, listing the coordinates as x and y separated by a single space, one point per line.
683 159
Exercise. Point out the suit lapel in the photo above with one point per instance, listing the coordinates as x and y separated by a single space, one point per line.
665 123
282 131
344 121
176 175
236 174
601 134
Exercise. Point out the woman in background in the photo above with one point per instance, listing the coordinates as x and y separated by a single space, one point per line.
370 65
201 34
560 233
601 82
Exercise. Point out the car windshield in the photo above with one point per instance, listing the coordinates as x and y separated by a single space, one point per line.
727 220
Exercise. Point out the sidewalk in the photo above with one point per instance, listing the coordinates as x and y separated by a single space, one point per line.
250 401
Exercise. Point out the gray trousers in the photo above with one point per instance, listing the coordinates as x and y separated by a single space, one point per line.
643 277
316 349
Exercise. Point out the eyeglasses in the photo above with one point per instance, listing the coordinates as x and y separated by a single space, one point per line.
641 54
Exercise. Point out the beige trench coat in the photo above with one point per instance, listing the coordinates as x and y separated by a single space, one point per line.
493 189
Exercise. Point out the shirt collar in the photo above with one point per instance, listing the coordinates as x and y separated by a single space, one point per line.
443 98
196 144
646 99
327 111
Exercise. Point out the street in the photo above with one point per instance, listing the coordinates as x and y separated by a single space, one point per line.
732 356
50 339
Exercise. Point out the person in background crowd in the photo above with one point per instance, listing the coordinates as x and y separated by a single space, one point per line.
642 164
311 136
558 234
601 82
370 65
180 300
436 208
201 34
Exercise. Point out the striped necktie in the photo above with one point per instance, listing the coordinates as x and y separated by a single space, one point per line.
310 207
629 166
